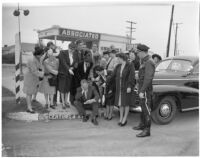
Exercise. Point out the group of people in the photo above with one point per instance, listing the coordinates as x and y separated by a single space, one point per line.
86 79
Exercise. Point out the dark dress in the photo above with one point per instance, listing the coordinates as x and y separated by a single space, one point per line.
64 77
74 81
110 93
122 82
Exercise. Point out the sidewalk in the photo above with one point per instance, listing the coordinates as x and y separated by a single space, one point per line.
8 81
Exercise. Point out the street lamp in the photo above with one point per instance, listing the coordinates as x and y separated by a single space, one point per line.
17 13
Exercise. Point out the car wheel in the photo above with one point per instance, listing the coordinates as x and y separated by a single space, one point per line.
165 111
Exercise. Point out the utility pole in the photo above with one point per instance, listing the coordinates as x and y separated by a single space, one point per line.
176 34
17 13
131 29
170 28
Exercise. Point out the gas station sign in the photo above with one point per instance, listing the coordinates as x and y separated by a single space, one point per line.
79 34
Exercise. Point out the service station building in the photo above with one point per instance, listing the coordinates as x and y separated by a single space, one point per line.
101 40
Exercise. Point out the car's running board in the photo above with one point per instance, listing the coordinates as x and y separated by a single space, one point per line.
189 109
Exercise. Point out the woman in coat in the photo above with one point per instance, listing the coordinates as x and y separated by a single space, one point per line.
110 89
51 70
67 60
32 77
124 77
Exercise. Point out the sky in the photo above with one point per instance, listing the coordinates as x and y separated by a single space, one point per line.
152 20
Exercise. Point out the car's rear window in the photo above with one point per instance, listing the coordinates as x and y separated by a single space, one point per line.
175 65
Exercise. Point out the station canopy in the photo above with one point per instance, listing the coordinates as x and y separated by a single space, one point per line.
65 34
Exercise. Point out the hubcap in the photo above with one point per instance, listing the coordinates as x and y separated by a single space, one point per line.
165 110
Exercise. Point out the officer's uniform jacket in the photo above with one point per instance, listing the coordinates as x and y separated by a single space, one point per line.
146 74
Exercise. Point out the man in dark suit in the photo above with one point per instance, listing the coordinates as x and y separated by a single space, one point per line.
87 97
79 49
84 67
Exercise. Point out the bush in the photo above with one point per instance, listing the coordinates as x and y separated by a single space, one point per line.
8 58
7 93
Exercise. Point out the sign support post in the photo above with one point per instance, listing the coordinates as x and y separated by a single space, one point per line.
18 78
55 39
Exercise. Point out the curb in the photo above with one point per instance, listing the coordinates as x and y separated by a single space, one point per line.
53 115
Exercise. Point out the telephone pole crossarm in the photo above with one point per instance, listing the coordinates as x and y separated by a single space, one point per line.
131 28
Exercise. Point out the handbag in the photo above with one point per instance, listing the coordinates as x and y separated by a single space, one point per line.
53 81
109 95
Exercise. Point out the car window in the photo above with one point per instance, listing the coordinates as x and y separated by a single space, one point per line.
180 65
163 65
175 65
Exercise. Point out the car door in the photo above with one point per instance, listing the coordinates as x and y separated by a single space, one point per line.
190 99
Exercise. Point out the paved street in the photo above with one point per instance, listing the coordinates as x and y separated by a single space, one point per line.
74 138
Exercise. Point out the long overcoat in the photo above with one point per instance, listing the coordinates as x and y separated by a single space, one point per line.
31 76
127 80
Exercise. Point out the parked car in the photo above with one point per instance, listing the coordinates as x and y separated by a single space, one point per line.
175 87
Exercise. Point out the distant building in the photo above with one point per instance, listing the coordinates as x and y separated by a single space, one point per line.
26 48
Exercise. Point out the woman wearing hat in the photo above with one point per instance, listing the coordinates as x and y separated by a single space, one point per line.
104 59
51 70
124 76
110 89
156 58
67 60
32 77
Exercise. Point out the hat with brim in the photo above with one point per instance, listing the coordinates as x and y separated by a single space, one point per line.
106 52
156 56
126 52
38 51
142 48
113 51
122 56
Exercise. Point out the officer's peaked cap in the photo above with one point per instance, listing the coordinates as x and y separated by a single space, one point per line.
142 47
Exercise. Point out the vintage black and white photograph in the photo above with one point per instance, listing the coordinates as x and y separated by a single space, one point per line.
100 78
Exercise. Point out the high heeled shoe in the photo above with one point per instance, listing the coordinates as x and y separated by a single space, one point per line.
124 124
30 111
52 106
109 118
67 105
63 107
119 123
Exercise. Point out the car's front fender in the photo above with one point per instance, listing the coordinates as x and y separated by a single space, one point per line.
161 91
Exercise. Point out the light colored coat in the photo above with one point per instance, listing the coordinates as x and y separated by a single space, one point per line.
31 76
49 67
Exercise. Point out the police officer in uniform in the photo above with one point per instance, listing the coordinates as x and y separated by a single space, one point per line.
146 74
